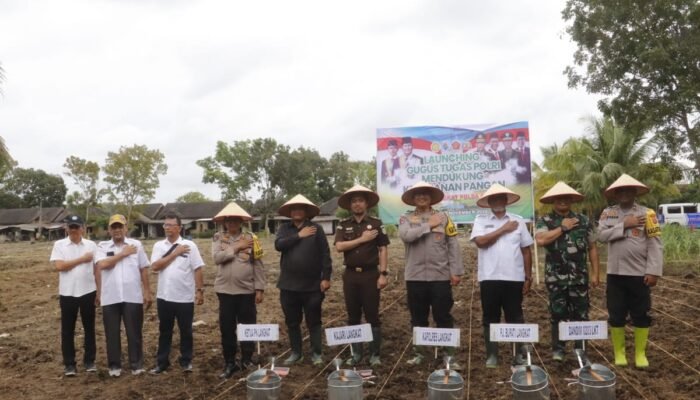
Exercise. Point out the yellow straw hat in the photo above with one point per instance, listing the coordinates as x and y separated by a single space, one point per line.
626 181
311 209
558 190
372 197
495 189
232 210
436 195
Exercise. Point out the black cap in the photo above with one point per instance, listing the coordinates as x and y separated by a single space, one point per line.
392 142
73 220
406 139
520 134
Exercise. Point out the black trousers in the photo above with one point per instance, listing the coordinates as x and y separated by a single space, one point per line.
70 307
235 309
361 294
298 305
628 295
501 295
132 315
168 312
426 295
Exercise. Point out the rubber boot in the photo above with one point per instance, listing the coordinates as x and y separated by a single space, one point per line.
316 345
618 340
417 356
558 346
520 357
491 349
356 357
641 335
295 344
375 346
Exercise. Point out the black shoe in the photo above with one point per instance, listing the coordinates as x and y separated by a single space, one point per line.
69 370
90 367
229 370
187 367
158 370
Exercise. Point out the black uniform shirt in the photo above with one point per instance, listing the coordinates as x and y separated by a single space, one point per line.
366 254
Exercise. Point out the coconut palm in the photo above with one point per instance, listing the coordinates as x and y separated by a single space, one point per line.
593 162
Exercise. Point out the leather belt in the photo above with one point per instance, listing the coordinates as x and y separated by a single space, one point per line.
362 269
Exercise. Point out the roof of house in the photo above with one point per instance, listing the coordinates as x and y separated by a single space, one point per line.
330 207
193 211
19 216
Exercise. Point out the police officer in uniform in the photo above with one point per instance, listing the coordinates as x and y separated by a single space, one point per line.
433 261
239 284
635 262
569 239
363 242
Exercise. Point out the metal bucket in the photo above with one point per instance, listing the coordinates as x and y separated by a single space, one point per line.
536 387
344 384
263 384
597 383
444 384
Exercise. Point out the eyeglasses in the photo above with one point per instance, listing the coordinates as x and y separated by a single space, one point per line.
170 225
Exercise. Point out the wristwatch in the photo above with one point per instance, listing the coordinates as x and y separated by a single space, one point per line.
384 273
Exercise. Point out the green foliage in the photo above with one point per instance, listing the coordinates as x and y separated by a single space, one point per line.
591 163
132 175
192 197
680 243
391 230
206 234
34 187
643 57
6 160
86 175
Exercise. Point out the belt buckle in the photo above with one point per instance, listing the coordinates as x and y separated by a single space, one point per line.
358 269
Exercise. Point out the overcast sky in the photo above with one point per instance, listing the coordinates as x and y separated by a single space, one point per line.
85 77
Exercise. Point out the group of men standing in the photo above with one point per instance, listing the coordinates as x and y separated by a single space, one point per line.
114 274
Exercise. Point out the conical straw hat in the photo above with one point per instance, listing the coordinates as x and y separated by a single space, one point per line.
626 181
372 197
495 189
311 209
561 189
232 210
436 195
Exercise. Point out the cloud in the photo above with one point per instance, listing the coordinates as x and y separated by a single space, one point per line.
85 77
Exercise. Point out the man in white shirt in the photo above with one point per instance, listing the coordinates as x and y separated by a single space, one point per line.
180 284
78 290
122 264
505 264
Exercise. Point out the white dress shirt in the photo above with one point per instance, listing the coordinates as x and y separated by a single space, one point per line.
502 261
80 280
122 284
176 282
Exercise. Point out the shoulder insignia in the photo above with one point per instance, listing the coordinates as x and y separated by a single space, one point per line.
450 228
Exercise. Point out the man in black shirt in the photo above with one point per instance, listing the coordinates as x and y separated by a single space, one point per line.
305 275
363 242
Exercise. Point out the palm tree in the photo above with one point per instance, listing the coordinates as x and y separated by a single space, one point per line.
593 162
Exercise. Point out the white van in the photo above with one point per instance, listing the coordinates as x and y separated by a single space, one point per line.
684 214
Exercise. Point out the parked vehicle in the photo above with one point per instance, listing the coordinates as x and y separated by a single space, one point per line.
684 214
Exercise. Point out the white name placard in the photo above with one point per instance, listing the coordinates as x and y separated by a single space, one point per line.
258 332
583 330
525 333
435 337
349 334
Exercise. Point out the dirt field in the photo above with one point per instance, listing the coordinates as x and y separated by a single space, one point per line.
30 357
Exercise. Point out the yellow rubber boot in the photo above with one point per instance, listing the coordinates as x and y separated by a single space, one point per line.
618 340
640 347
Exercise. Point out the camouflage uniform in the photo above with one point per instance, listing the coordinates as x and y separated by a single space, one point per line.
566 267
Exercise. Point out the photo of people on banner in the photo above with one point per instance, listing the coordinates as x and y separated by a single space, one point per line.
463 161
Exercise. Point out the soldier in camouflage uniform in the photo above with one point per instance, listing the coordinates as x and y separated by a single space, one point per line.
570 241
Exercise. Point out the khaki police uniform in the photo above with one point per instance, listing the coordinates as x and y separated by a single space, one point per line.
632 253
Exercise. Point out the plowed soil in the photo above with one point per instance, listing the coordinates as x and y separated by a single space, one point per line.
30 353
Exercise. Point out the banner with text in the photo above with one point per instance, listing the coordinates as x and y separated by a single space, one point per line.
463 161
